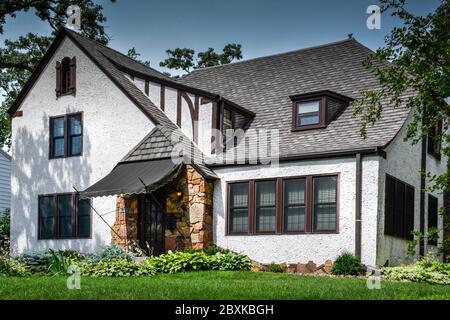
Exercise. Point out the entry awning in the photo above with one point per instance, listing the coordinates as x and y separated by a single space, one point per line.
126 178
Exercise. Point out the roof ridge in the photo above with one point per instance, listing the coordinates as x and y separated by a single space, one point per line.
116 51
273 55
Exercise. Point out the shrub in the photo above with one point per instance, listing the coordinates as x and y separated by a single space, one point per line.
59 261
12 268
5 227
277 268
347 264
179 261
110 252
115 267
229 261
36 262
425 270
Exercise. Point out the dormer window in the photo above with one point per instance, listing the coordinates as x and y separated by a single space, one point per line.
316 110
65 76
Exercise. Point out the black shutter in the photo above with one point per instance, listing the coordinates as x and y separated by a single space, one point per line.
399 211
58 78
389 206
73 74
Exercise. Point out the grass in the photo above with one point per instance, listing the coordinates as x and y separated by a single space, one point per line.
216 285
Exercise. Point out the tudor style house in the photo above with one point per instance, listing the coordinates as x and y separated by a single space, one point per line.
95 162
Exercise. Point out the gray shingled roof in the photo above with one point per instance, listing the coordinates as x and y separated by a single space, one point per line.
101 56
154 146
263 86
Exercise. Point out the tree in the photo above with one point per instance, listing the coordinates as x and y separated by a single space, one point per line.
183 58
133 54
417 76
19 57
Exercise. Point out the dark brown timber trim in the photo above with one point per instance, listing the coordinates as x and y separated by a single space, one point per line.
17 114
196 115
146 87
423 168
214 138
162 101
179 108
251 207
358 203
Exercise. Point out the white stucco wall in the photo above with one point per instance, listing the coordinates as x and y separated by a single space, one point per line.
305 247
403 161
112 126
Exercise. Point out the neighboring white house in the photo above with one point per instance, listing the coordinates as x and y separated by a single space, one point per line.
95 121
5 181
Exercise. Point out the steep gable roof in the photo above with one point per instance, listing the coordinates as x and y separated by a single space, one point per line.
264 85
101 56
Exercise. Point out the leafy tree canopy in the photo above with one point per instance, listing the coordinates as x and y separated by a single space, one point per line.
183 58
19 57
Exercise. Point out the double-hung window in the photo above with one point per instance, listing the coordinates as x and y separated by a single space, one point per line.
66 136
64 216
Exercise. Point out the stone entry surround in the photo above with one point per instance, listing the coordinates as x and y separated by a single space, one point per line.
188 198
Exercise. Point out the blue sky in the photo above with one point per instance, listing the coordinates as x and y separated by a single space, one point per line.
263 27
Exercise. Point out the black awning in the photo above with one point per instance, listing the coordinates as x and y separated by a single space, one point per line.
126 178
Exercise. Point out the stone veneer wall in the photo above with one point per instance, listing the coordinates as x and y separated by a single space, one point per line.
193 212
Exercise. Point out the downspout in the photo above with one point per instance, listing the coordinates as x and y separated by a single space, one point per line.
358 203
423 168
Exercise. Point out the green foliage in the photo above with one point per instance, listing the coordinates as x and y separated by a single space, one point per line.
277 268
425 270
179 261
19 57
229 261
58 262
110 252
133 54
117 267
5 227
347 264
12 268
183 58
35 262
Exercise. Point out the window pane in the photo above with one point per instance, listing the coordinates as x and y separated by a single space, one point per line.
294 218
75 124
65 216
75 145
325 203
294 191
58 147
307 120
239 195
239 220
83 218
238 212
58 127
294 209
46 216
265 206
306 107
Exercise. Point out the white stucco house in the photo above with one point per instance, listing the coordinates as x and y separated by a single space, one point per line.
97 139
5 181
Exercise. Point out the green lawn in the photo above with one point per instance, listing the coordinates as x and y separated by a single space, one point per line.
216 285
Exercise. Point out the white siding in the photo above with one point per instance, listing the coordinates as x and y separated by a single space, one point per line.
304 247
5 182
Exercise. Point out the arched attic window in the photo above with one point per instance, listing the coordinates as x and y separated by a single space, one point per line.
65 76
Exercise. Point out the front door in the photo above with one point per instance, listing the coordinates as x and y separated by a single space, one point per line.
151 229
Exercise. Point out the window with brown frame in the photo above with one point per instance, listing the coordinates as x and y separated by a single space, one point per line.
64 216
65 76
315 110
283 205
433 141
66 136
399 209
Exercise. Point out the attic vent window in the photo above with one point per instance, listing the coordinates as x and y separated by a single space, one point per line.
316 110
65 76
